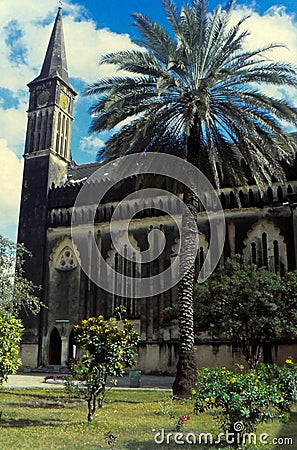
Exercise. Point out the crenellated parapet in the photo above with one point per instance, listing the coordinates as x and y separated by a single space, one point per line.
65 195
251 197
61 200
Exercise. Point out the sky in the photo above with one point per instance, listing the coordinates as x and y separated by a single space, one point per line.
91 29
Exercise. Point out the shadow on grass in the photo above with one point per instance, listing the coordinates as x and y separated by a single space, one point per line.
42 404
113 402
151 445
24 393
45 397
23 423
288 431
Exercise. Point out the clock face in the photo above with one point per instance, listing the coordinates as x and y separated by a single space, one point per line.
63 101
42 98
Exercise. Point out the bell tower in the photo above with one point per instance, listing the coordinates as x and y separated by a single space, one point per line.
46 159
51 102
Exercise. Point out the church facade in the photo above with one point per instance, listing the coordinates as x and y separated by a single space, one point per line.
262 227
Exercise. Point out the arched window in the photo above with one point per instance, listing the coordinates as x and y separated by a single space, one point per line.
63 257
265 246
125 261
276 256
254 252
264 249
58 133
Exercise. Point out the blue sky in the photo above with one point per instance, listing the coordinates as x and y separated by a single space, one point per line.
91 29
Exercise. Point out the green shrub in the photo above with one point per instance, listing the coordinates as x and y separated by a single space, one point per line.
11 330
108 348
245 398
284 376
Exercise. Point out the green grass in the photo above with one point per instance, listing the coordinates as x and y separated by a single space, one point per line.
47 419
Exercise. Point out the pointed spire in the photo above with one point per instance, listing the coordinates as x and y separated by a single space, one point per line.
55 63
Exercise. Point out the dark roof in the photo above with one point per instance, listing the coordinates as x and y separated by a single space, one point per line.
81 172
55 63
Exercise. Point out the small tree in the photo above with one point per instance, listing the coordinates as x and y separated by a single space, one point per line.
247 304
11 330
108 347
15 292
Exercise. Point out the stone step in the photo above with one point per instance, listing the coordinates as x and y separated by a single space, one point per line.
51 369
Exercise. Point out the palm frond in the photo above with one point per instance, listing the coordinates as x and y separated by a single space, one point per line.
156 39
195 86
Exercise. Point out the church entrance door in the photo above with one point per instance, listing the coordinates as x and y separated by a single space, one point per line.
55 348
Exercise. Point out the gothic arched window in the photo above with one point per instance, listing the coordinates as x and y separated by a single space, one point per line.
125 262
265 246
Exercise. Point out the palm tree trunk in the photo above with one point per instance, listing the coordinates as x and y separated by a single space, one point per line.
186 373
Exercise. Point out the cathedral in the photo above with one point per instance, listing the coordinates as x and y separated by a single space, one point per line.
261 226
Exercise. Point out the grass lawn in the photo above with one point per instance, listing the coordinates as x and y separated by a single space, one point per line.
47 419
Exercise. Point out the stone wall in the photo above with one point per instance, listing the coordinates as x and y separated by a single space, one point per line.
161 357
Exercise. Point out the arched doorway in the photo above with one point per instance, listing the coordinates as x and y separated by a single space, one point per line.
55 348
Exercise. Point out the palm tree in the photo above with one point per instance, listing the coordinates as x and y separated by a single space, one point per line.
197 89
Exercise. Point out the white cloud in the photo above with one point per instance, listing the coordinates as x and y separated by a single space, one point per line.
25 28
13 125
91 144
89 45
23 42
275 26
10 187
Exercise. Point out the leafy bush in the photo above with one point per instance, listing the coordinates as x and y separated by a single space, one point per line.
284 376
11 330
16 293
245 303
248 398
108 347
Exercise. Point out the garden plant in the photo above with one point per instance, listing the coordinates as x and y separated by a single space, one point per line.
108 348
244 399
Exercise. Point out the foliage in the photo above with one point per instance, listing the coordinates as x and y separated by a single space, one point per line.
110 439
196 84
248 304
285 377
70 363
11 330
181 422
247 398
108 347
167 406
245 303
16 291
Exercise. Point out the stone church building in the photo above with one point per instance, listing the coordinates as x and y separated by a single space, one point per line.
262 227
